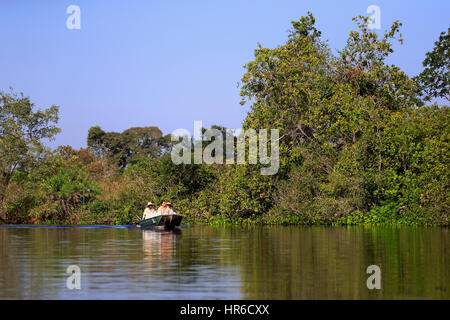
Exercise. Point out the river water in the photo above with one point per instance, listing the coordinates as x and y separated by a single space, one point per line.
207 262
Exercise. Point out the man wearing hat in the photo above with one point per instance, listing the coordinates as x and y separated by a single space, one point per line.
164 209
149 212
170 208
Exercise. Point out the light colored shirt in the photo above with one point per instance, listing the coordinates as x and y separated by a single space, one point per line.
164 210
149 213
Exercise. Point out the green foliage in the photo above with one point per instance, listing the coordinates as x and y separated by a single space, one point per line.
357 146
241 192
128 146
354 137
162 179
21 132
434 80
64 188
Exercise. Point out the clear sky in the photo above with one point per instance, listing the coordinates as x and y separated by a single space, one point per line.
168 63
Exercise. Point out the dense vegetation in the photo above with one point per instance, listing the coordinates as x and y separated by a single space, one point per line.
359 143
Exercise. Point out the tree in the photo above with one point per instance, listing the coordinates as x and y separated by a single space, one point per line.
335 115
21 133
435 78
95 140
123 148
68 187
287 82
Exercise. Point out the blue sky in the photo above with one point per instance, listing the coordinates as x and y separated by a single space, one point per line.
168 63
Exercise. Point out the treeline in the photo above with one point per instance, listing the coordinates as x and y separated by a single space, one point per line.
359 143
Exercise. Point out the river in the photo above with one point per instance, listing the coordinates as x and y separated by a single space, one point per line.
225 262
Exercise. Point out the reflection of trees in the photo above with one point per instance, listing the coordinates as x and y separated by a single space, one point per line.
29 259
10 268
195 256
252 263
330 263
33 261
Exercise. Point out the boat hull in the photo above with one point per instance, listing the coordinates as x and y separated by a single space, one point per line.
164 222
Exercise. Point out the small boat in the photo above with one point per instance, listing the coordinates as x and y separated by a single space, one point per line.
162 222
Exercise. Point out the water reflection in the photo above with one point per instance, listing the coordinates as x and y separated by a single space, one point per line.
159 245
331 262
225 263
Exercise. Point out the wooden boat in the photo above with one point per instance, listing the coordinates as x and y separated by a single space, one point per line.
163 222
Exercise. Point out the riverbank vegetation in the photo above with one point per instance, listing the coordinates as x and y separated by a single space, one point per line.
360 143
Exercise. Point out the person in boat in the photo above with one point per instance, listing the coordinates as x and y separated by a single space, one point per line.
149 212
163 209
170 208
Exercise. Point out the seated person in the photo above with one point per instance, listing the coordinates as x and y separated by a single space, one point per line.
149 212
170 208
164 209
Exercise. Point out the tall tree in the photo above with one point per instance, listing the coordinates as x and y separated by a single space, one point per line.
21 133
435 78
121 148
286 84
332 112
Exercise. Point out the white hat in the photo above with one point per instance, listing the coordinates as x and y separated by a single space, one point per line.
149 204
